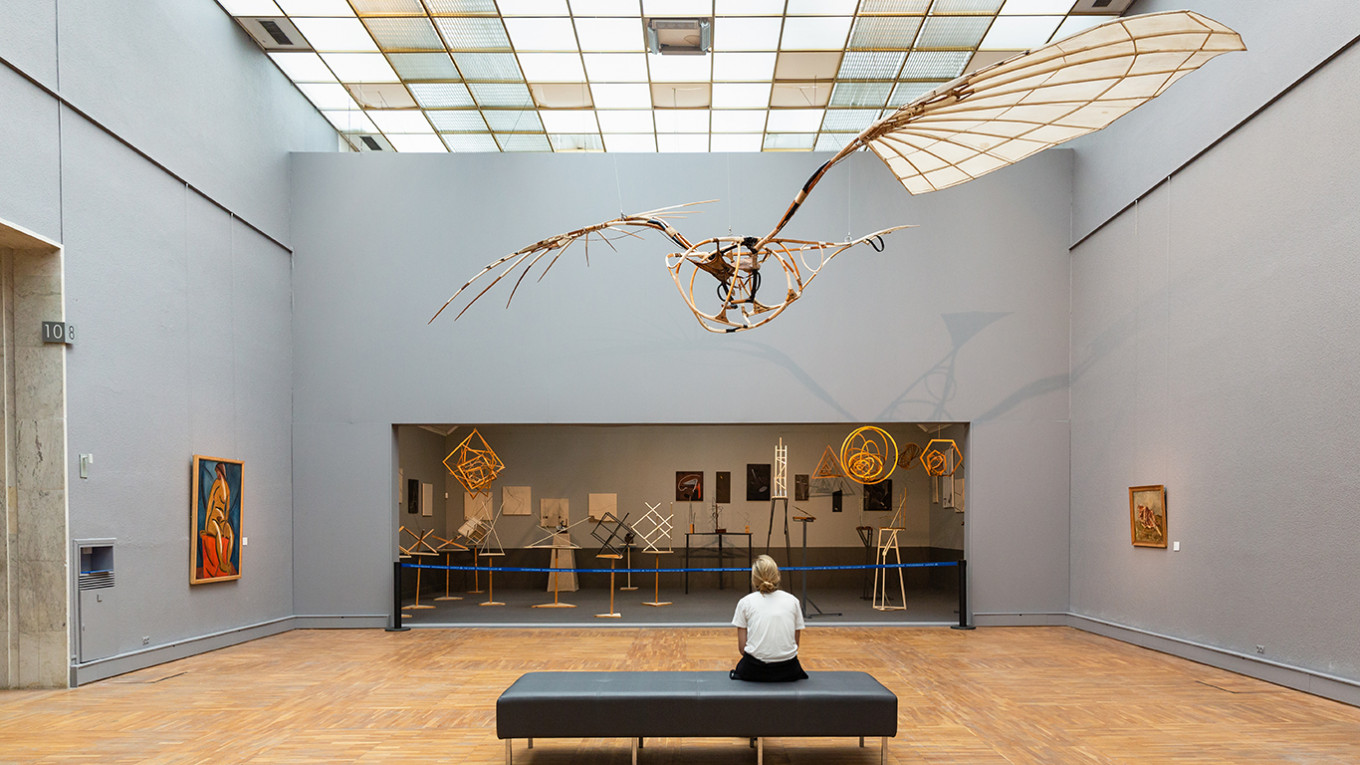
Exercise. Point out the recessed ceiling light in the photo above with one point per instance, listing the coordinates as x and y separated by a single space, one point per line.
734 142
1020 32
605 8
628 95
251 7
750 7
680 68
316 7
616 67
1035 7
417 144
741 95
552 67
569 121
743 67
303 66
739 120
350 121
681 120
532 7
815 33
328 96
552 34
677 7
682 142
756 33
336 34
821 7
404 121
624 142
626 121
609 34
360 67
795 120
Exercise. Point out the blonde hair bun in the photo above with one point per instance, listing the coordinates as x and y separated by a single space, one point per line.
765 575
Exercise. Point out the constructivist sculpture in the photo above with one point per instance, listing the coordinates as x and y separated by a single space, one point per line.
829 477
868 455
941 457
419 547
558 540
617 529
980 122
475 465
655 530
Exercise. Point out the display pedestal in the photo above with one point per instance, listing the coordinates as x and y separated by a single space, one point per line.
887 541
628 564
658 601
448 561
417 606
561 544
613 559
805 520
490 585
476 575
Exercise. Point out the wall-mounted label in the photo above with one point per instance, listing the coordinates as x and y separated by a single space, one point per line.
58 332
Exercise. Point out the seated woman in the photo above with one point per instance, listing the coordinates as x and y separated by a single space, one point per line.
769 626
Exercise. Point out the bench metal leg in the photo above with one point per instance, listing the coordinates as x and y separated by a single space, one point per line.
861 742
531 743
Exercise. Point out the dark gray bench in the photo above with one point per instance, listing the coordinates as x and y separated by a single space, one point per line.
640 705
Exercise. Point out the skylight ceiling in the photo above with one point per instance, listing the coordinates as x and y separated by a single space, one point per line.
575 75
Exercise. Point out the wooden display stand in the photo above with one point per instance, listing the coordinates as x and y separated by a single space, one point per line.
614 558
448 546
628 564
887 540
657 595
490 586
561 544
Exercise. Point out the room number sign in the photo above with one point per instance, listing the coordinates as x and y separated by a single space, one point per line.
58 332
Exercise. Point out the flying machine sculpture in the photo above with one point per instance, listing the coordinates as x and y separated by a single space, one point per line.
980 122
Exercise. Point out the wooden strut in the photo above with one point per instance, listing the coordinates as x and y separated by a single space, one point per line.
554 565
490 586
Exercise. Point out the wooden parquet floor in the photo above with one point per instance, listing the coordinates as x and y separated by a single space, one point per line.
994 695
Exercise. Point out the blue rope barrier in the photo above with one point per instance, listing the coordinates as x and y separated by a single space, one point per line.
523 569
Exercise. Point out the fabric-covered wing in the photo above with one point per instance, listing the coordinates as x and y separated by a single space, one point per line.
999 115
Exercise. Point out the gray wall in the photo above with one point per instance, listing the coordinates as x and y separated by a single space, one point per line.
1215 351
962 319
1284 41
183 311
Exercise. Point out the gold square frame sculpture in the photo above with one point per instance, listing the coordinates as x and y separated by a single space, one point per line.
475 464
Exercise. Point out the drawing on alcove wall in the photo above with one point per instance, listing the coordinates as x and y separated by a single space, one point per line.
966 128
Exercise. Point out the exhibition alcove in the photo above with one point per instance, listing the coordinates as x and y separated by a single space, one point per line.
665 505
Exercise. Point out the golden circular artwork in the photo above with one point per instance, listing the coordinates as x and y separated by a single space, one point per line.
869 455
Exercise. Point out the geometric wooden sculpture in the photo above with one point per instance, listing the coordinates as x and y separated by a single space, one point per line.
869 455
616 527
448 546
655 531
966 128
907 457
888 542
941 457
476 465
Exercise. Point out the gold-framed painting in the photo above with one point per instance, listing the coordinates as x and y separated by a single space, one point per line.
215 511
1147 515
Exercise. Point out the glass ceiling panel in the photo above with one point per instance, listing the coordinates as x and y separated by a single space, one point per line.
488 66
953 31
574 75
404 33
512 121
473 33
423 66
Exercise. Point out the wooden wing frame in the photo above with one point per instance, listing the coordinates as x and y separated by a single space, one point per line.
1001 114
607 232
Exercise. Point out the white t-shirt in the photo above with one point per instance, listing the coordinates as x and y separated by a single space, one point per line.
770 622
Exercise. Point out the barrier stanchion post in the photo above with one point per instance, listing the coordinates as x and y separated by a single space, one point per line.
396 625
963 598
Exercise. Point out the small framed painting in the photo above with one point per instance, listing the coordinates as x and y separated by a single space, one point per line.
689 486
215 508
758 482
1147 515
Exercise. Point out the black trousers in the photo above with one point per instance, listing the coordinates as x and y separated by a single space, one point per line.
753 669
